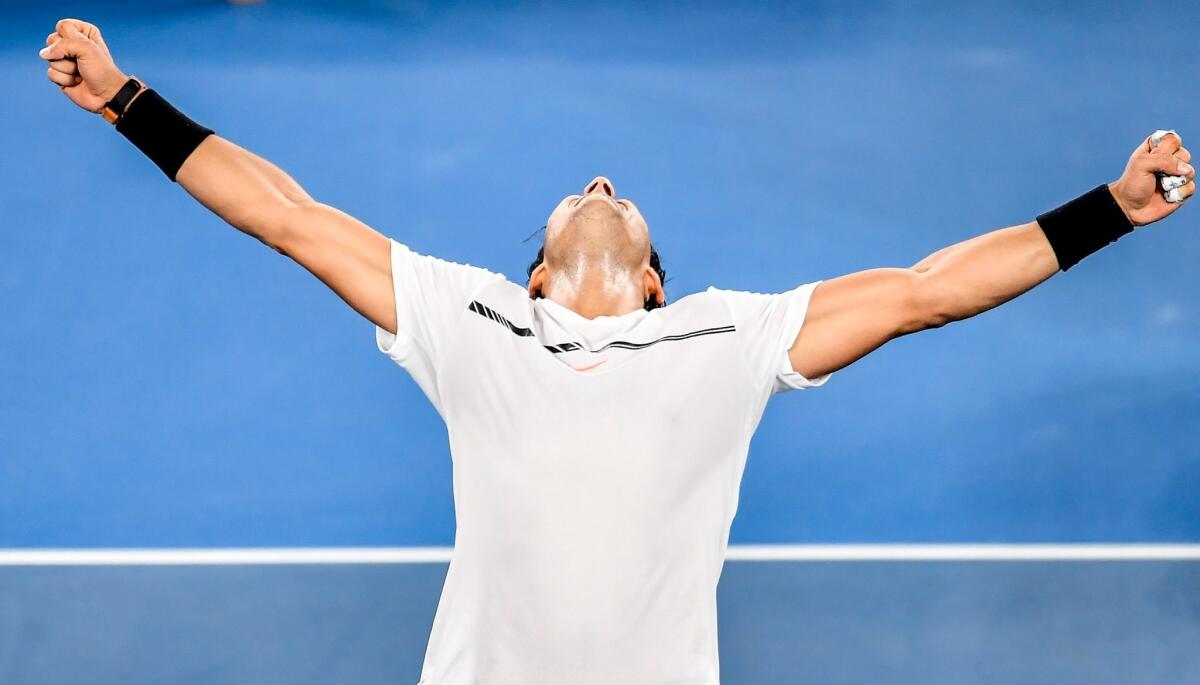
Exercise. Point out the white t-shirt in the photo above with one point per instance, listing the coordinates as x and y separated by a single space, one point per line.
596 466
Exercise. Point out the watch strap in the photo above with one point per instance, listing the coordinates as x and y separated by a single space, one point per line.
115 108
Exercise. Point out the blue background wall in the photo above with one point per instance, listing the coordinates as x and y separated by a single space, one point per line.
166 381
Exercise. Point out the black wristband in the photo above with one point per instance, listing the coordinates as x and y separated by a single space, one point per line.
1084 225
161 132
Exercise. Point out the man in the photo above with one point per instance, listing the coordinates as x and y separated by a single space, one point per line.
598 435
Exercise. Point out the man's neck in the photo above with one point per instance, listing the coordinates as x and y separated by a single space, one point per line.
591 308
600 295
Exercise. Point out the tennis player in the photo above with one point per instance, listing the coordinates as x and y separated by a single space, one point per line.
598 434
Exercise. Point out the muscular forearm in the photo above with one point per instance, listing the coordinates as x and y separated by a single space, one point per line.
245 190
973 276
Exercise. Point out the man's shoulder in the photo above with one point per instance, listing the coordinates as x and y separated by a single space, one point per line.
502 294
704 304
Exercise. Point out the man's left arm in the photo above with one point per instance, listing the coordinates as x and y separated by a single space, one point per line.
851 316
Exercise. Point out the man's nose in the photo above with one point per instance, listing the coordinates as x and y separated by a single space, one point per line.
600 184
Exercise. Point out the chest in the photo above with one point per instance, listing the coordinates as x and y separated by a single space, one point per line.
671 372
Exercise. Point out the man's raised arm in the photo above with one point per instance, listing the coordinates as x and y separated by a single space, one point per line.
250 193
850 316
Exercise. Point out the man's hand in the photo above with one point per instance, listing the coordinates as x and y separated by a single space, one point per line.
1138 192
80 64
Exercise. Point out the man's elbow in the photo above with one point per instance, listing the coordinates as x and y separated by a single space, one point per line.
280 227
931 302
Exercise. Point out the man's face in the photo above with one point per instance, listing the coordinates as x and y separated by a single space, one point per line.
597 221
597 253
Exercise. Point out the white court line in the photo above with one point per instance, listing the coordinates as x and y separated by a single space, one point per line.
438 555
233 556
966 552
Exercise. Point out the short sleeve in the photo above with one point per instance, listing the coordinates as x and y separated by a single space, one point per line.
767 325
431 296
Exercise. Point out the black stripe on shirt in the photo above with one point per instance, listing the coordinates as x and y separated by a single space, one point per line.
666 338
484 310
490 313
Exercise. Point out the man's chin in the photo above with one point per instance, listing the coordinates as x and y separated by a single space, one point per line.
599 210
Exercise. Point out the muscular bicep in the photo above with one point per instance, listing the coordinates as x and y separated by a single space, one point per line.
260 199
850 316
350 257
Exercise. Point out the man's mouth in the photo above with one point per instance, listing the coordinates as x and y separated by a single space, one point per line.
614 203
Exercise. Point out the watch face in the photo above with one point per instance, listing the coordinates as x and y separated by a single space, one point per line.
123 96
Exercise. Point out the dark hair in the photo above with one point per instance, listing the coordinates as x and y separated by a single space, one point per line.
655 263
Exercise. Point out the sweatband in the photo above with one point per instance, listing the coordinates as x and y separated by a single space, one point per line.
161 132
1084 225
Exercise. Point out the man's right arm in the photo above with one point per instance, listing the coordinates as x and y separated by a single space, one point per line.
258 198
248 192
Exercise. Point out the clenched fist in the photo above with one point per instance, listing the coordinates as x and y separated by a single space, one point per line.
80 64
1138 192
